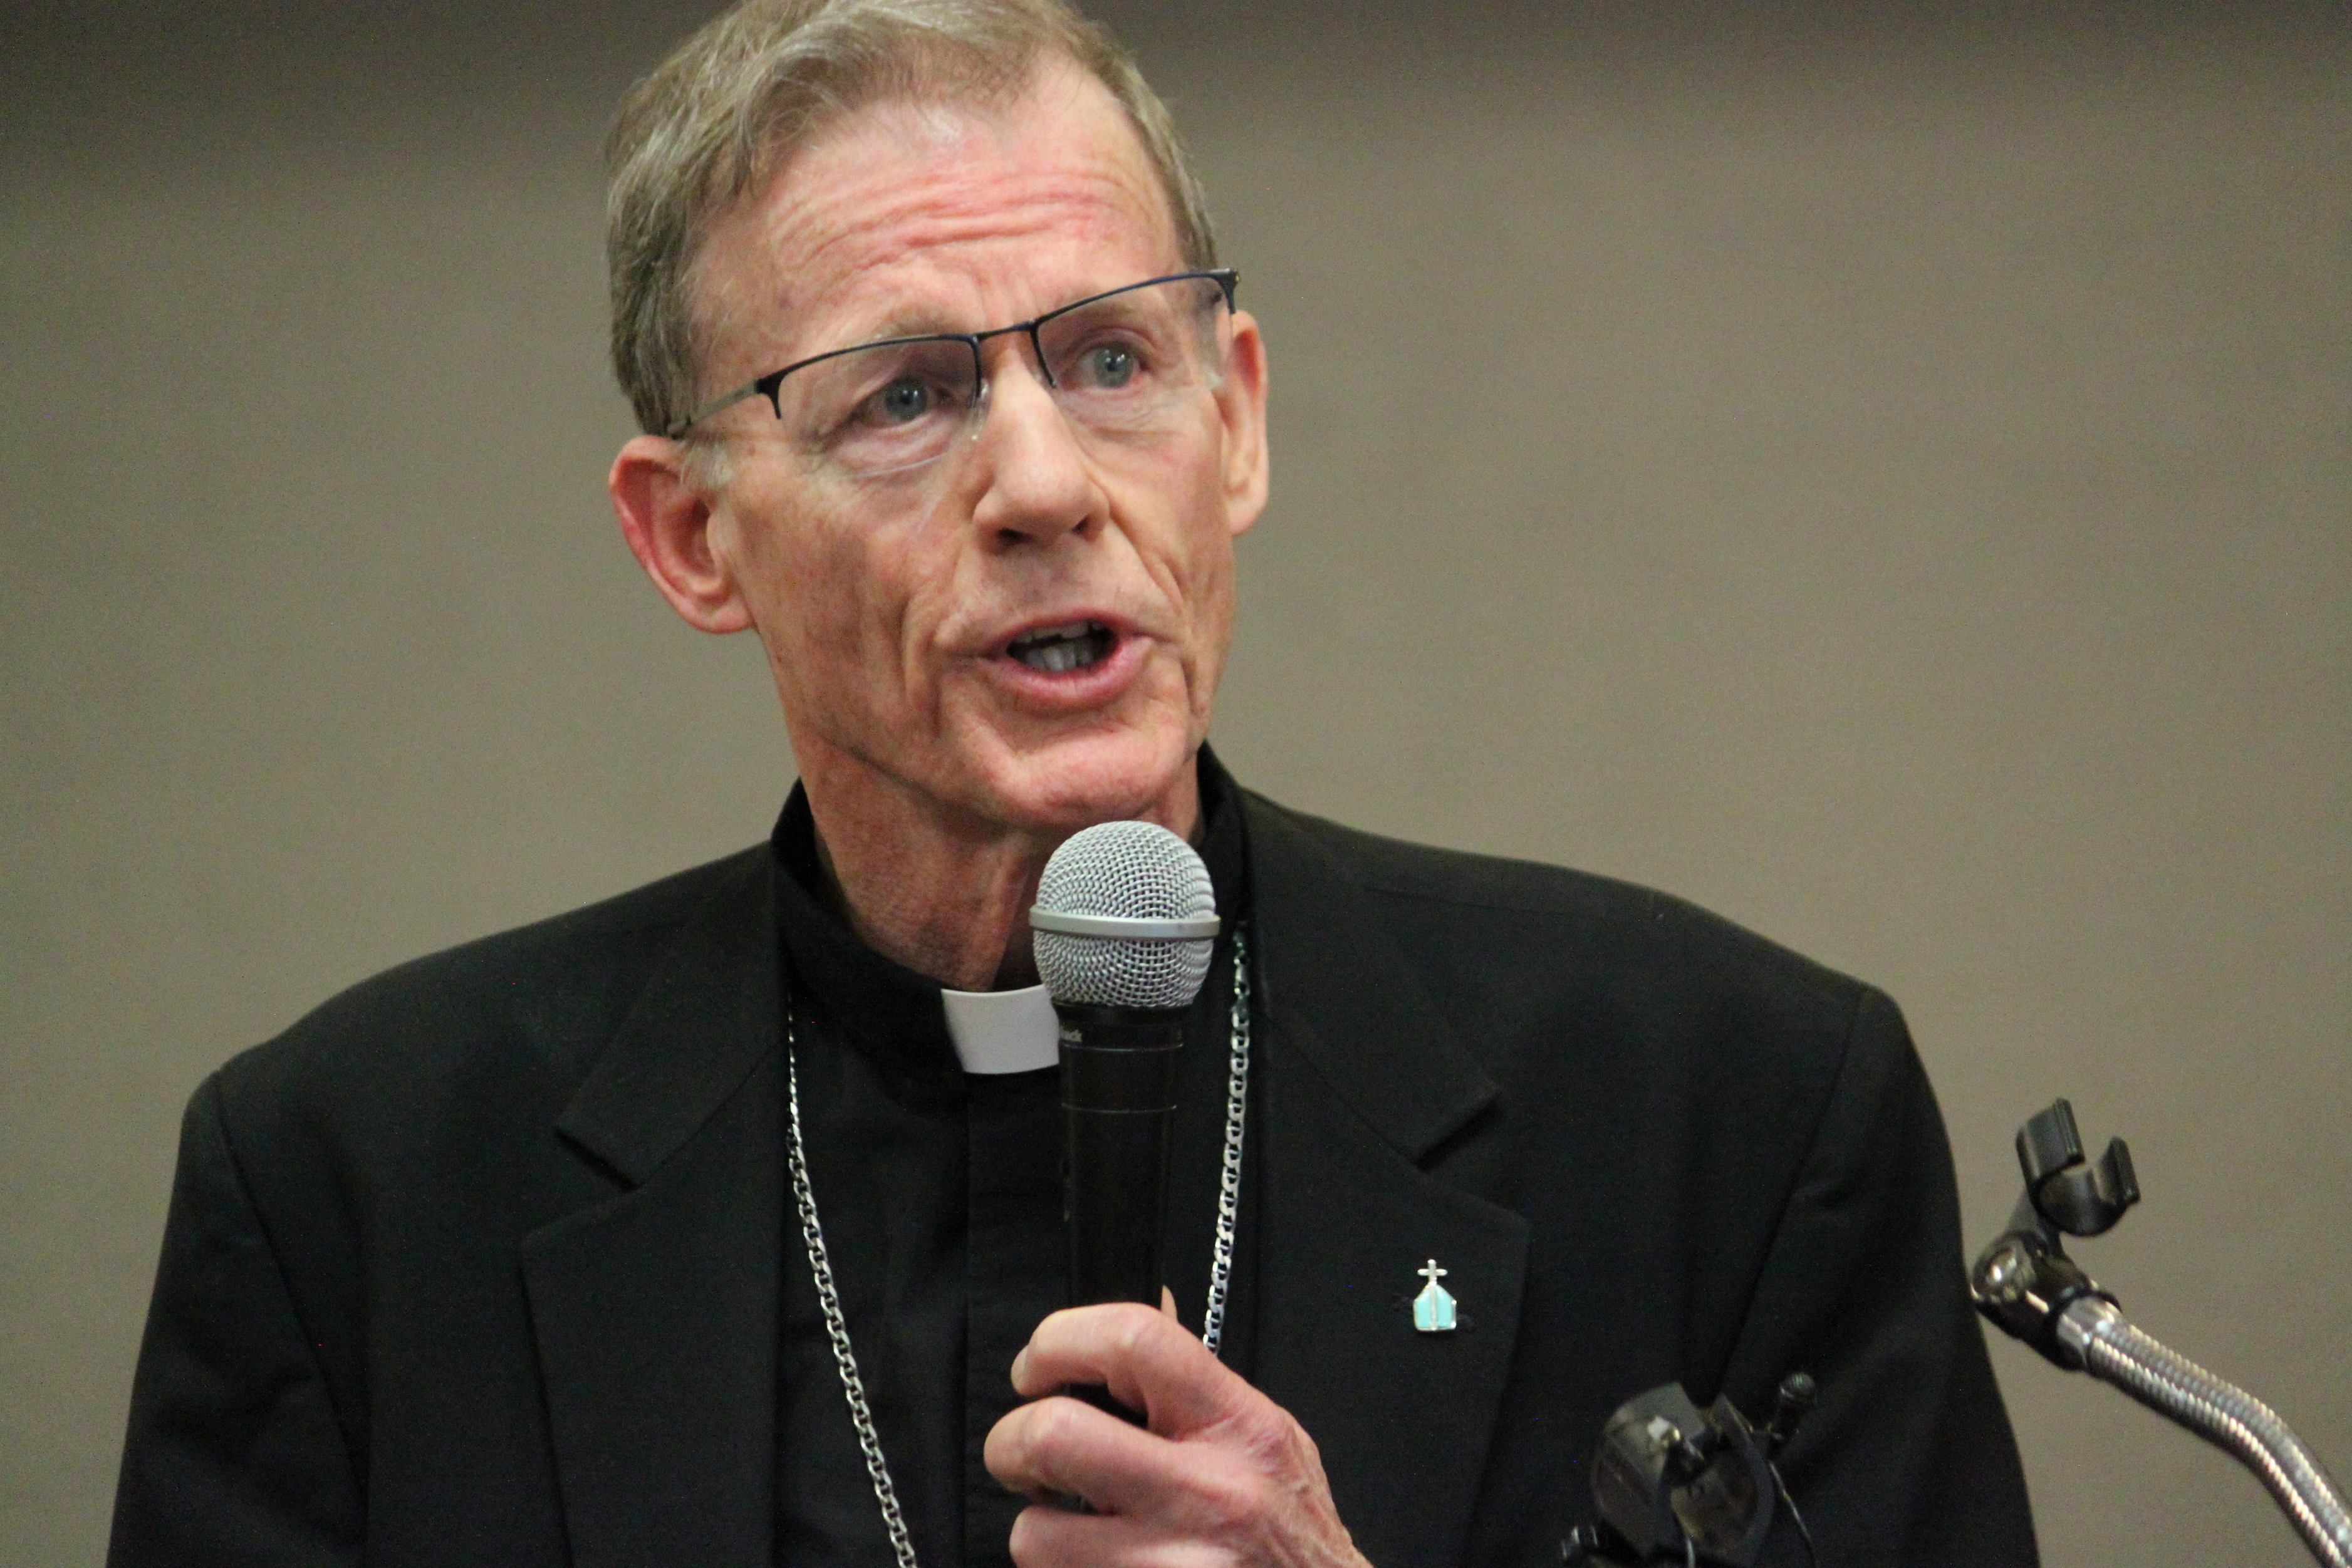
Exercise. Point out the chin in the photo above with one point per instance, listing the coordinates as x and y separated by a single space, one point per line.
1074 783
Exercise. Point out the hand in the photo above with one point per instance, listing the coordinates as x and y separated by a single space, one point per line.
1221 1476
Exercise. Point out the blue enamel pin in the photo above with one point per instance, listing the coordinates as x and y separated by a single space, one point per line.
1433 1310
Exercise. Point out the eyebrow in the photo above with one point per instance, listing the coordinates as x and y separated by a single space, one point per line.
902 323
905 324
930 323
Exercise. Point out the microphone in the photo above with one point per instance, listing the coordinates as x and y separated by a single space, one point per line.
1124 925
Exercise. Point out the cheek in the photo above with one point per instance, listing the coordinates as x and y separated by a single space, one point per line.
1200 545
1207 568
833 599
802 577
1171 500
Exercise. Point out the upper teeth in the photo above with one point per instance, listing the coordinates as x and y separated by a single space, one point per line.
1047 633
1057 649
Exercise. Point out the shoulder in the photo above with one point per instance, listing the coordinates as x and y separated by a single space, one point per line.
1486 923
517 1017
1616 1024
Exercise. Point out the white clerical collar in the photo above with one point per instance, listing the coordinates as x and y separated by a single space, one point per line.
1004 1031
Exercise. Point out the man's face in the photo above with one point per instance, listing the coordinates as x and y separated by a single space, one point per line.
900 614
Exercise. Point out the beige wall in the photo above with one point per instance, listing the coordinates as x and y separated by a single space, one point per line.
1891 484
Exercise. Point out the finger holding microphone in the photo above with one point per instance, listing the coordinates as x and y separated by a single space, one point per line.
1220 1474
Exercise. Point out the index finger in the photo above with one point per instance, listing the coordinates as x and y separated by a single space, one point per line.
1148 1361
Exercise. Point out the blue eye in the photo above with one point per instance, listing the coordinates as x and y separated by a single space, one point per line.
904 401
1108 366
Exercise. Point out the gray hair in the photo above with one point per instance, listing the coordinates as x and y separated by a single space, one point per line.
706 130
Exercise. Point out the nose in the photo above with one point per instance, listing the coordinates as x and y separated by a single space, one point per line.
1034 483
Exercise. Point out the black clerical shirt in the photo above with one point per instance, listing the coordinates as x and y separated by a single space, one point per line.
940 1196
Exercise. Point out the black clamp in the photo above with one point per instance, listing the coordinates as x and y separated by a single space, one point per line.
2024 1282
2079 1198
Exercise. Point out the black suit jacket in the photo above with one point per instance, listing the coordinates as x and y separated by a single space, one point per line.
479 1263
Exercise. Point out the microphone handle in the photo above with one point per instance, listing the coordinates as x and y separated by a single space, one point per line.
1118 1108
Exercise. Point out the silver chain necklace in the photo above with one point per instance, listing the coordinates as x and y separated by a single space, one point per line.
836 1326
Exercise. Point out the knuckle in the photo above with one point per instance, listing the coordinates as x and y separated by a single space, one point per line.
1232 1504
1004 1452
1298 1445
1263 1431
1131 1326
1052 1427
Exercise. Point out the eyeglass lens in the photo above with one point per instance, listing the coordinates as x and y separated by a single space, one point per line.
1118 366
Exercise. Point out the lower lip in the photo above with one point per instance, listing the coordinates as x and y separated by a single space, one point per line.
1074 690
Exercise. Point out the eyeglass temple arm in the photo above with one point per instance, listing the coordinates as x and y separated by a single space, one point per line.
679 427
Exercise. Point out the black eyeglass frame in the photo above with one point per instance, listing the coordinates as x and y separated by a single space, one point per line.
1225 278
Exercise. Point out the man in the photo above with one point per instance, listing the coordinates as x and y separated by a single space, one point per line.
719 1223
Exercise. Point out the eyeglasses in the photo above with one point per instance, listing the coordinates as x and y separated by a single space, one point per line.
1117 363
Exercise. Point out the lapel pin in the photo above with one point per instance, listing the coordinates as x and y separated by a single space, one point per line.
1433 1310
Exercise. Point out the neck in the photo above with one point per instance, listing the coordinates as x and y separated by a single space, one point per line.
941 890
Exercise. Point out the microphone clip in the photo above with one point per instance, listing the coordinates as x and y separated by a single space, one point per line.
2024 1282
1673 1483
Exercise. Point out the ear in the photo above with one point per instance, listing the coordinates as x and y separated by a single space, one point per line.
1240 403
667 520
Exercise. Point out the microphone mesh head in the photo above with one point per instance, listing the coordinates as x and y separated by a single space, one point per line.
1137 870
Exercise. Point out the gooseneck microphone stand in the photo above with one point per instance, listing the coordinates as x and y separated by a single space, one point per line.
2025 1283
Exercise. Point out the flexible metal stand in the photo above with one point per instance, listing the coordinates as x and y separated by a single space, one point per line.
2025 1282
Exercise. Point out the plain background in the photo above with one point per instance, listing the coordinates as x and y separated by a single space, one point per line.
1885 473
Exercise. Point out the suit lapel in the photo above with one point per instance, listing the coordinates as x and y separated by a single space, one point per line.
656 1311
1365 1079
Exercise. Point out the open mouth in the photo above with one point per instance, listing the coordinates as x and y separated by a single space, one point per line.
1058 650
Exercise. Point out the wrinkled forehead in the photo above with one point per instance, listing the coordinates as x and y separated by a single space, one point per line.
934 211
